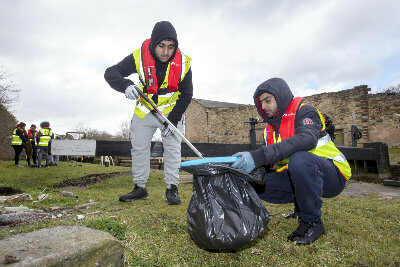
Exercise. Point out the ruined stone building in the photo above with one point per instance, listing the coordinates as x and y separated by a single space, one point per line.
209 121
7 126
377 116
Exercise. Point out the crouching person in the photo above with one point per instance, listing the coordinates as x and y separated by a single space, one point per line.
307 164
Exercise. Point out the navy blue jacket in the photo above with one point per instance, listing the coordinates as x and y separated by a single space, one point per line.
306 135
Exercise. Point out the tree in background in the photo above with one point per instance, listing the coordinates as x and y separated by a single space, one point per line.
389 90
125 131
9 93
393 89
93 133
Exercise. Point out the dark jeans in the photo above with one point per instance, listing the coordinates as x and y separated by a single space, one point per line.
307 180
18 150
34 153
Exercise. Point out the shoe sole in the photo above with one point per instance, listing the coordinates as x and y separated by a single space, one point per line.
172 203
307 243
130 200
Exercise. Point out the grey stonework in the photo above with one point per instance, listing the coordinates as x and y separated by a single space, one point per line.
377 116
62 246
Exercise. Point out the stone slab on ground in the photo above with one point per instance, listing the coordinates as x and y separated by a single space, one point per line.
361 189
62 246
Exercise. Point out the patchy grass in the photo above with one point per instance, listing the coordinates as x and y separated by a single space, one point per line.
360 231
394 154
110 226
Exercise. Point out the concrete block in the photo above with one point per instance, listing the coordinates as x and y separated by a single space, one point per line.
62 246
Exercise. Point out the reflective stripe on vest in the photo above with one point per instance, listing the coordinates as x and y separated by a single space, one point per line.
15 139
325 147
175 73
45 137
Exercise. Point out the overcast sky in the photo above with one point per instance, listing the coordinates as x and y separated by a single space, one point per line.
58 50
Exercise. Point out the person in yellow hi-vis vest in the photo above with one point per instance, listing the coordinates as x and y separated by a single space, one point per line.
43 138
18 142
166 78
304 163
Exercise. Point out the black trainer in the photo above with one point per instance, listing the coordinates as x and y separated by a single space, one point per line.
171 195
136 194
307 233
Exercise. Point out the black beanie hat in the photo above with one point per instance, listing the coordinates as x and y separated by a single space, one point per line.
162 30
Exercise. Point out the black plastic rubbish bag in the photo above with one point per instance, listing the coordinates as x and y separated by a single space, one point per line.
225 212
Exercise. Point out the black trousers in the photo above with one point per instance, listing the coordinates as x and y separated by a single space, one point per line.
311 179
34 153
18 150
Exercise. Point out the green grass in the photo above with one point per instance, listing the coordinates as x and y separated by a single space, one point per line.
360 231
394 154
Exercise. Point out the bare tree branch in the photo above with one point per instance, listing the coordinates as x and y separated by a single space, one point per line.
9 93
125 130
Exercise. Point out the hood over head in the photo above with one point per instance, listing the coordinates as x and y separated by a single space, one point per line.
44 124
280 90
163 30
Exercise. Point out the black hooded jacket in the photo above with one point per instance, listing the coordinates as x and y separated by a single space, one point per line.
115 75
306 135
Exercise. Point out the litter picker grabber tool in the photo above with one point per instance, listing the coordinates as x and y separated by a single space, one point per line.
143 95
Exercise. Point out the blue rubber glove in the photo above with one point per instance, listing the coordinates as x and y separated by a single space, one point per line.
245 161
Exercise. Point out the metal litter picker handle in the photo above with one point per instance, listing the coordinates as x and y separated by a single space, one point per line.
169 123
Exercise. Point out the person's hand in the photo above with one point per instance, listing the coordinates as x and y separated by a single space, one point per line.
166 130
131 92
245 161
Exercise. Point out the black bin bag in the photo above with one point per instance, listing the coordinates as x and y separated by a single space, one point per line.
225 212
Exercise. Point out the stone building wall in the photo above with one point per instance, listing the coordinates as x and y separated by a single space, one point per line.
7 125
346 108
384 118
196 123
226 124
377 116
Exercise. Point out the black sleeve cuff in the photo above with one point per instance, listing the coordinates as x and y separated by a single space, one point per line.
259 157
174 121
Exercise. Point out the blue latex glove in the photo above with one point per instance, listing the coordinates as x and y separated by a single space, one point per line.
166 130
245 162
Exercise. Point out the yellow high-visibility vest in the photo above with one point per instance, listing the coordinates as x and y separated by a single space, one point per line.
325 147
165 102
15 139
45 137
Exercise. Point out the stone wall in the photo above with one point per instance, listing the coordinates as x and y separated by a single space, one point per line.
7 125
346 108
377 116
218 124
384 118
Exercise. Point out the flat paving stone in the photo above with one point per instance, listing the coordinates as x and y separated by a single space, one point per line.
62 246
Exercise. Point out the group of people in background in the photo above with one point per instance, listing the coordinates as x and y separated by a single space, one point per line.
36 144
